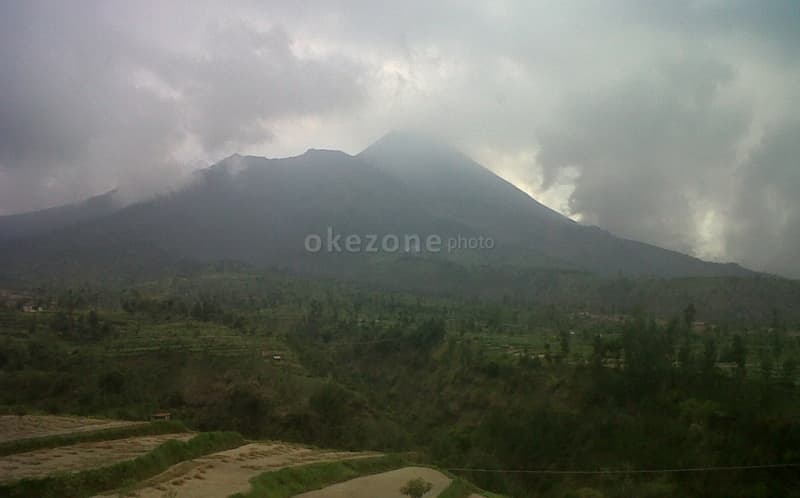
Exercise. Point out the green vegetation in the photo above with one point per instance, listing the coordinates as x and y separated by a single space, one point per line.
503 382
89 482
290 481
39 443
415 488
459 488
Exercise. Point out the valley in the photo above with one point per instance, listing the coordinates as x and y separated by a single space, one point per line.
508 383
360 249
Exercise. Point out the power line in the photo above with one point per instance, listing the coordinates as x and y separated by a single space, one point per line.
631 471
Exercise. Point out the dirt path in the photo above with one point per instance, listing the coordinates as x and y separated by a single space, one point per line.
385 485
228 472
81 456
14 427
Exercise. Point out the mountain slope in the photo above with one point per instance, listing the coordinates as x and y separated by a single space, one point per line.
261 211
17 226
454 186
248 209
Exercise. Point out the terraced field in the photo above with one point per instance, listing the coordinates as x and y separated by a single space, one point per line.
13 427
192 337
228 472
190 465
81 456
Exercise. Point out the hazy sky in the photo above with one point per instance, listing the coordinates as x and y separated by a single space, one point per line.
673 122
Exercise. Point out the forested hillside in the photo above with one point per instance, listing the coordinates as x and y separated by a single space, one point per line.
467 384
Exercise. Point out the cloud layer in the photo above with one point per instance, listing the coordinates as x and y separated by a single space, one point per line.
668 122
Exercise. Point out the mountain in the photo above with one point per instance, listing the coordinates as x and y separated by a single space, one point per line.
18 226
454 186
261 212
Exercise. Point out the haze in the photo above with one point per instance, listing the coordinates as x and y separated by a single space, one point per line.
671 123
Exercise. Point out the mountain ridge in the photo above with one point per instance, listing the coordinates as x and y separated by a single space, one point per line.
260 211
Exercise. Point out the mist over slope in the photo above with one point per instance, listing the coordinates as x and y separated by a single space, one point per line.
454 186
17 226
261 211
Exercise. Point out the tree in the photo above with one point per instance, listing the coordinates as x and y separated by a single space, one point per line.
248 411
61 322
709 355
598 351
564 340
767 365
685 356
93 321
689 314
430 333
415 488
789 370
739 353
111 383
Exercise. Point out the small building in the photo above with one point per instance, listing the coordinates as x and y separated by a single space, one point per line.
277 357
161 416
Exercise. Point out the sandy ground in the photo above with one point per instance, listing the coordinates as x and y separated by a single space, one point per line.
228 472
385 485
29 426
81 456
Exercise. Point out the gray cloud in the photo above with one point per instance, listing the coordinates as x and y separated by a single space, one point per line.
89 103
764 226
669 122
651 151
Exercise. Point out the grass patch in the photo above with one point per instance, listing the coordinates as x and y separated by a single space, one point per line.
460 488
288 482
93 481
39 443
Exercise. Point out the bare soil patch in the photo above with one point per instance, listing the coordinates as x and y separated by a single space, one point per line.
13 427
385 485
229 472
81 456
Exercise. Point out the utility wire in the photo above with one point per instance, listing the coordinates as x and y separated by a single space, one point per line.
631 471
